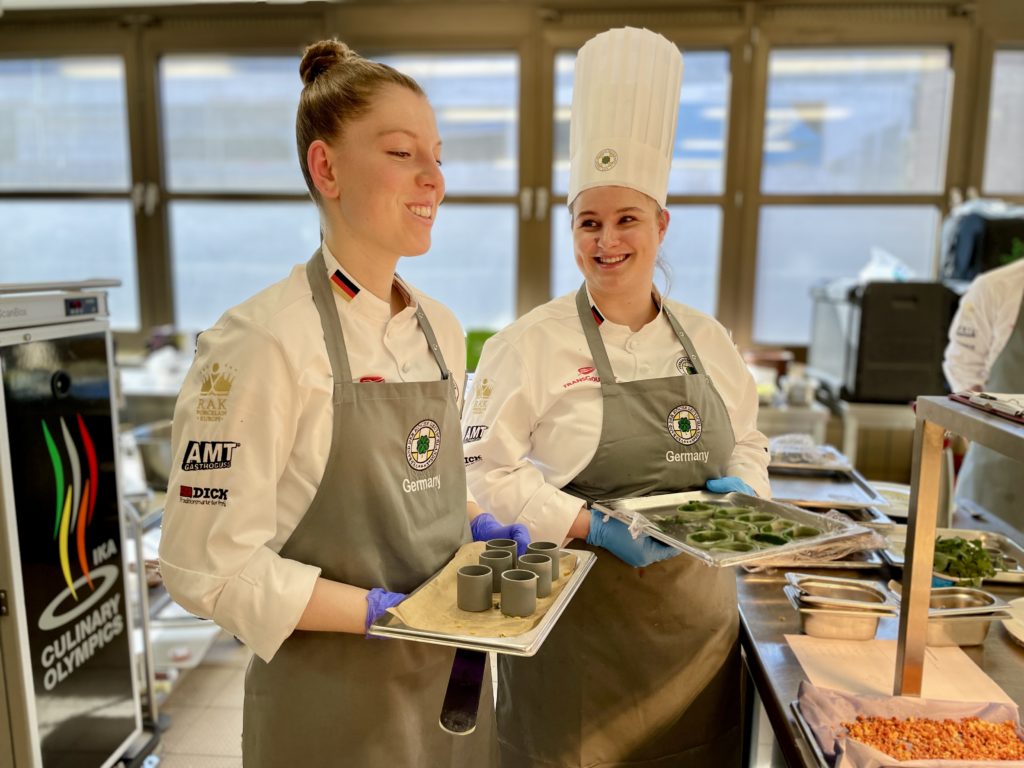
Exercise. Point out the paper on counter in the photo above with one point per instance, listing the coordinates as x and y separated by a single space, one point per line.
869 666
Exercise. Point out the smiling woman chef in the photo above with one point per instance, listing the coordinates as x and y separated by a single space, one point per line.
612 392
318 474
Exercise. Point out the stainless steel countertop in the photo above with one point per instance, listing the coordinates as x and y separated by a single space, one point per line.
766 617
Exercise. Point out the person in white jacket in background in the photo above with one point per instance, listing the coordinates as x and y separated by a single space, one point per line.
986 353
318 475
617 391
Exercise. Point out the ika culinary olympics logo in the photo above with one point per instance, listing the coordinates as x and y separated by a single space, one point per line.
684 425
76 480
423 444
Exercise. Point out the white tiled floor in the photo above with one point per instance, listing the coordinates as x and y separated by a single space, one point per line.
205 711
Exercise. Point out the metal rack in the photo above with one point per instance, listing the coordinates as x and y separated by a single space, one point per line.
936 415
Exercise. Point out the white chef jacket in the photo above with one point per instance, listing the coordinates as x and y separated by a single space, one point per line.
982 325
251 436
533 419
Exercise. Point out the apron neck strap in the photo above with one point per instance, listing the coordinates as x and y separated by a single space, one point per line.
323 299
596 344
683 338
337 352
590 330
432 341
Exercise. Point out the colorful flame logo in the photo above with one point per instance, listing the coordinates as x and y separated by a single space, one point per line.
75 503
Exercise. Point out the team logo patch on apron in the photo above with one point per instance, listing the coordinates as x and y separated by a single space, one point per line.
423 444
684 425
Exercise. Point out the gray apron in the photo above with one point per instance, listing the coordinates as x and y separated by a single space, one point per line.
333 699
643 669
987 477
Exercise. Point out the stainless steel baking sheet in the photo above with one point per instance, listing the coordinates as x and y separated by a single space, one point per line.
827 458
824 488
862 560
642 513
526 644
1009 548
808 734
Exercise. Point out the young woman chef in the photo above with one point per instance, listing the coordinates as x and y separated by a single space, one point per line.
608 392
318 475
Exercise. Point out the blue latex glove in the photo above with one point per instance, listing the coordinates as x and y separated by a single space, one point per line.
728 484
485 528
377 602
616 538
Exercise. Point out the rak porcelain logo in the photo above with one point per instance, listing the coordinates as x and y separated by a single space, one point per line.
214 389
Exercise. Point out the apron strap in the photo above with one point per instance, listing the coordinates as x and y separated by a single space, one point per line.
596 344
435 349
323 299
337 353
590 330
683 338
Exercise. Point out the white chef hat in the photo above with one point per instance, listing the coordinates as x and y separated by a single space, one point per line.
625 102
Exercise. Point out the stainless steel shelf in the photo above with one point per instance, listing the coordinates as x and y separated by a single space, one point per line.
936 415
995 432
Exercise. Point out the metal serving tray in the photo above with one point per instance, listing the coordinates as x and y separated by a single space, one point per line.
861 560
642 514
526 644
828 459
808 734
830 488
1007 547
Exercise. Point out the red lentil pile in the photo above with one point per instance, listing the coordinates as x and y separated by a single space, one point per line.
918 738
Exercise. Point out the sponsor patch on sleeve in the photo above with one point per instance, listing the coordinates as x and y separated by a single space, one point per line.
208 454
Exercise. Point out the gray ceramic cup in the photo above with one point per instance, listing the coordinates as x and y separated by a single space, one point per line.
552 551
474 588
504 544
518 592
499 561
541 565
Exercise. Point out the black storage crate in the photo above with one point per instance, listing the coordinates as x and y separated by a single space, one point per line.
880 342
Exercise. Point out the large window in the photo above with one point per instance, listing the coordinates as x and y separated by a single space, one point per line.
870 124
1004 150
229 134
64 139
691 251
471 265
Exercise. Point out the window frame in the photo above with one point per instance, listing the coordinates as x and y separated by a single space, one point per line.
954 34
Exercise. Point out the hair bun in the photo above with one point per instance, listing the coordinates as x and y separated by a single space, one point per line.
321 56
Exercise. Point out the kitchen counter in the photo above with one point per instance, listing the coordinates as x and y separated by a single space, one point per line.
766 617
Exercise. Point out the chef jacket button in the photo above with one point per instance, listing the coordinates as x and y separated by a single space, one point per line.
405 367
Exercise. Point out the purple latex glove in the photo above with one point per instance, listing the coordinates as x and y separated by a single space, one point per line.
377 602
728 484
485 527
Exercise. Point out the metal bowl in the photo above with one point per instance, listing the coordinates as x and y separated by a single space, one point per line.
154 442
962 630
833 624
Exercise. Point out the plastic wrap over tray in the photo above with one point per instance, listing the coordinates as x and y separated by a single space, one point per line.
648 514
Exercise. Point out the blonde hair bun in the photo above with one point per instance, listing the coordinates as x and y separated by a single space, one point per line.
321 56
